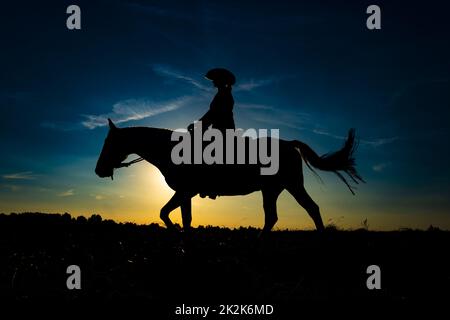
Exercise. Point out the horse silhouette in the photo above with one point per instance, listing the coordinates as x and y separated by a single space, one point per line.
187 180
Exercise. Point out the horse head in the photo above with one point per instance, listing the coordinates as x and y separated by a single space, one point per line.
112 153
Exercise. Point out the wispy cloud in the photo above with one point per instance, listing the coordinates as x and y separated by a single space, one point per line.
373 143
379 142
169 72
67 193
279 123
134 109
254 106
270 115
245 85
380 166
326 133
252 84
25 175
300 121
11 187
98 196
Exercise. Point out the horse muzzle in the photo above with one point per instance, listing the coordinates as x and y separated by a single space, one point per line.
104 173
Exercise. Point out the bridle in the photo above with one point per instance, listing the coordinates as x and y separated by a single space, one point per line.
126 164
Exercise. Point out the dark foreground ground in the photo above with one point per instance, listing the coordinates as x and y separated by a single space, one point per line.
215 265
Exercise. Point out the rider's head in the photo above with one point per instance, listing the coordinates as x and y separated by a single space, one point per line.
221 77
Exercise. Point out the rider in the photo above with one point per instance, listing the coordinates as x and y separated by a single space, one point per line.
220 113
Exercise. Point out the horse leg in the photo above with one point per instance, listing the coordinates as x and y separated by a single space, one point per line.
303 199
182 200
186 214
171 205
270 197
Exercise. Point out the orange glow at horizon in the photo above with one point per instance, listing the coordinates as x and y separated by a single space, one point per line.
138 193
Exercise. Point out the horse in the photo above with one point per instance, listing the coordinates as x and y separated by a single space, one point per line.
187 180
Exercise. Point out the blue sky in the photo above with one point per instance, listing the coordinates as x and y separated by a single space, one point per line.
313 70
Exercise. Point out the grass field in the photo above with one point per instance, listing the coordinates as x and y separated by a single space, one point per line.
215 265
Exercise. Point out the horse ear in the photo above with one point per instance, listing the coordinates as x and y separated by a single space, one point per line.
112 126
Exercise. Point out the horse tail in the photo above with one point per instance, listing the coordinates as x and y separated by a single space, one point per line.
341 160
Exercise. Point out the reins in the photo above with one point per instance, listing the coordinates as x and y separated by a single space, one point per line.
127 164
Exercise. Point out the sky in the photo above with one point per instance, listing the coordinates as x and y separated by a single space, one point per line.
310 69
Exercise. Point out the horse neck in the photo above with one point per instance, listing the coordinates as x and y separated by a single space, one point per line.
152 144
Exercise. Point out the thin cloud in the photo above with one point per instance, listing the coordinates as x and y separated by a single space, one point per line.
373 143
254 106
26 175
169 72
11 187
279 123
132 110
325 133
379 142
253 84
67 193
297 122
263 113
380 166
